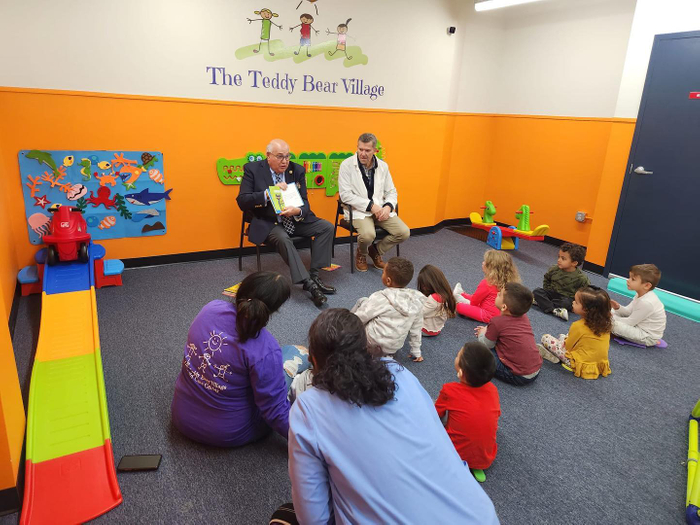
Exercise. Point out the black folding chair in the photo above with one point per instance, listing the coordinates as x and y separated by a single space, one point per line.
245 220
347 225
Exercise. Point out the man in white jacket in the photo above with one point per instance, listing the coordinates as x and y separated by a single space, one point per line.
365 185
391 314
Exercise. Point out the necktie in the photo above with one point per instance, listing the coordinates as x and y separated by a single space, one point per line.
287 222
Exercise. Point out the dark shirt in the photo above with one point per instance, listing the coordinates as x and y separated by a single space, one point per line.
368 179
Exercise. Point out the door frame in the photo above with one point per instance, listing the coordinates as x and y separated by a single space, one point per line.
633 149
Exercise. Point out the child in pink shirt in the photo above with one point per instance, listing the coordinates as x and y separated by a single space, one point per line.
499 269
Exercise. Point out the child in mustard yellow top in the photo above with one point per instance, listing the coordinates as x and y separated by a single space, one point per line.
585 349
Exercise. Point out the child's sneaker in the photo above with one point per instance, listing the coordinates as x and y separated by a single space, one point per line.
457 292
546 354
479 474
561 313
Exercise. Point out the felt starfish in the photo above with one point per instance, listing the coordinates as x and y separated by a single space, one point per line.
41 201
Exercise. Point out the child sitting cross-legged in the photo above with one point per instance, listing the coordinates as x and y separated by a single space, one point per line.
472 408
510 337
585 349
643 321
499 269
562 281
440 303
393 313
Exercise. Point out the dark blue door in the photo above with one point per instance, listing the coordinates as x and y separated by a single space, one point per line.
658 218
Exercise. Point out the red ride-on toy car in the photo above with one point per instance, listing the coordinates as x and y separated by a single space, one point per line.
68 239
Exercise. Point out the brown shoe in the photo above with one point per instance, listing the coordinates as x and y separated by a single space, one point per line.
360 262
376 258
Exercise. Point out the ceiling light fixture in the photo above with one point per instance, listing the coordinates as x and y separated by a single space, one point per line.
487 5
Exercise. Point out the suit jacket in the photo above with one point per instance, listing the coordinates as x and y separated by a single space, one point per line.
256 179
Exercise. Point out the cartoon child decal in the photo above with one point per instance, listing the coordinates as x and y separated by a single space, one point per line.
342 39
311 2
306 27
267 23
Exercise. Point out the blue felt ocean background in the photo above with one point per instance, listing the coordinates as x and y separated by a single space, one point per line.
122 193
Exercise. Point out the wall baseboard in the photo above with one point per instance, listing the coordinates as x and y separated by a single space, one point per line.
10 501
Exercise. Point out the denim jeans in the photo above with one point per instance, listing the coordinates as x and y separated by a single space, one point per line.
506 374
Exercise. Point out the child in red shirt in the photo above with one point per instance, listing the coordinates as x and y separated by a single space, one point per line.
472 407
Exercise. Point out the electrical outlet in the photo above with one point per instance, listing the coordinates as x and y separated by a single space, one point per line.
581 216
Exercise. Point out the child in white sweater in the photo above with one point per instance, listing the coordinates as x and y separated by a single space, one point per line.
643 321
391 314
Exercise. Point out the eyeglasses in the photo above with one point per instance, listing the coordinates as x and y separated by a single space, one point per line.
281 157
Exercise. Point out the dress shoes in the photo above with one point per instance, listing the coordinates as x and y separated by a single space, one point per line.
316 294
325 288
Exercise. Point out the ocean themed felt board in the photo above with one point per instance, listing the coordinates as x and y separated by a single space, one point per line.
121 193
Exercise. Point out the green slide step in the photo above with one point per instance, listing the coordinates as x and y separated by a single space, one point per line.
66 408
673 303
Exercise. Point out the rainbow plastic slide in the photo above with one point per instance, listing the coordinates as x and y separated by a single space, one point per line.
70 475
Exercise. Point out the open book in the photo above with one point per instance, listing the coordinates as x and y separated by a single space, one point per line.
280 199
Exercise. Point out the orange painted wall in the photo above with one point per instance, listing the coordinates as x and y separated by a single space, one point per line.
12 415
553 165
444 165
611 180
203 214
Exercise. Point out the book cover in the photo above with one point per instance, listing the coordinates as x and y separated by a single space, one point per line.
280 199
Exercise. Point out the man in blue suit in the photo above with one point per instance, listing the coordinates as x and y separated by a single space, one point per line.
277 230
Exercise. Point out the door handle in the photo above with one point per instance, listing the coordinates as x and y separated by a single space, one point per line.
639 170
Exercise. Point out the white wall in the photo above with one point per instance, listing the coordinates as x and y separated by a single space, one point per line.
162 47
652 17
562 57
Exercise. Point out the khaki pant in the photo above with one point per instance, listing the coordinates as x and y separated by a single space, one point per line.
366 233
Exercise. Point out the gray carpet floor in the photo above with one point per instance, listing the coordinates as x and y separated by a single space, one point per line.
570 450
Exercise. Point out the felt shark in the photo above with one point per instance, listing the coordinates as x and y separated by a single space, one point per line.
43 157
146 197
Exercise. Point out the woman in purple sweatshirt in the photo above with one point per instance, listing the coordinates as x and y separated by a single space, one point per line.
232 387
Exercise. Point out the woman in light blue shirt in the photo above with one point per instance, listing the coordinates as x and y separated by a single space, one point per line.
366 444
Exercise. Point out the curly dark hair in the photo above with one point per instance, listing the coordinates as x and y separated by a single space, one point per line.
575 251
596 308
342 364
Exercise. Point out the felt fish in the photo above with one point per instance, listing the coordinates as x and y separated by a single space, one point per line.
156 176
43 157
145 214
107 222
146 197
68 161
104 165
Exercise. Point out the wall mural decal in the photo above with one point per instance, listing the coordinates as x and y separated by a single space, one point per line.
121 193
321 168
276 49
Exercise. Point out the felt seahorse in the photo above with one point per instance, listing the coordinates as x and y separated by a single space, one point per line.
85 170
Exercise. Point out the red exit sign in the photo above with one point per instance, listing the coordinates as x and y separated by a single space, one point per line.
694 95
